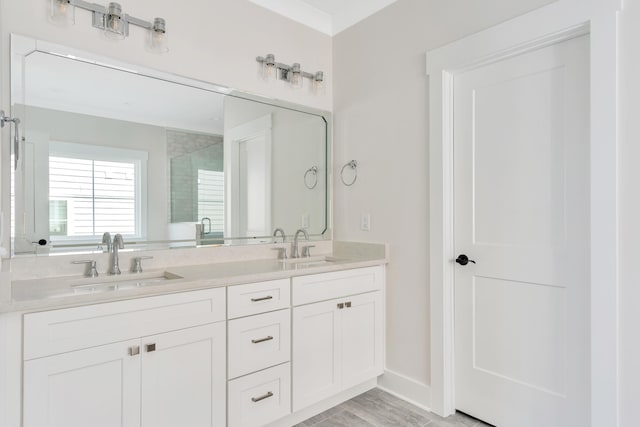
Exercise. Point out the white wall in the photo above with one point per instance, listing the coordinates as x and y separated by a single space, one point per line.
380 117
212 40
629 208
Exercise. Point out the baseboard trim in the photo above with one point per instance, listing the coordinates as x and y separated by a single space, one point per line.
406 388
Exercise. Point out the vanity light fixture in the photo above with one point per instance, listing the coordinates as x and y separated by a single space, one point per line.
293 74
111 19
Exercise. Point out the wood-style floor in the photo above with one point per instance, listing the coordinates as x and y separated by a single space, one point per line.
377 408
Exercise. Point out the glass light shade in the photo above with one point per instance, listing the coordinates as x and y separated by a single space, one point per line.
318 83
114 25
62 12
158 42
295 76
269 69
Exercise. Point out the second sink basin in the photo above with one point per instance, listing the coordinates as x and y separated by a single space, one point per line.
312 261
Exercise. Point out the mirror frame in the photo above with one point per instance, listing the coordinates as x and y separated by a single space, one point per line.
22 46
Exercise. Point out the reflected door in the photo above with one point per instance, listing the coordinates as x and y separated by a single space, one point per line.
249 174
521 153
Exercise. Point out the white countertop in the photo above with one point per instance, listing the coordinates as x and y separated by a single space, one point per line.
66 291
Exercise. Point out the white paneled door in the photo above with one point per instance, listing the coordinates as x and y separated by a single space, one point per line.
521 185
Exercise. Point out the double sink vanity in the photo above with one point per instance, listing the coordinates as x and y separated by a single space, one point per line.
209 324
197 339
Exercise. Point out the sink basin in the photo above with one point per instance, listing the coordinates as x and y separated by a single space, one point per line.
312 261
130 281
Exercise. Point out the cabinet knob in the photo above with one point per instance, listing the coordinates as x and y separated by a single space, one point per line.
150 347
134 351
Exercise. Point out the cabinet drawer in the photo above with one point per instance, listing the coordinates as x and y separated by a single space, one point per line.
258 342
255 298
325 286
260 398
59 331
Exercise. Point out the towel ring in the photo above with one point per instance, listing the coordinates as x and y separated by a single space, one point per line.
354 166
314 173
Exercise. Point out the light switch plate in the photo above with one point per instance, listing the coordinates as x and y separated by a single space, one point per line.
365 222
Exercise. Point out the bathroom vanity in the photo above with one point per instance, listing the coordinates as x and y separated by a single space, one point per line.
242 343
213 330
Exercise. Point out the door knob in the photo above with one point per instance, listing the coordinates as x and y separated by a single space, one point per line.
464 260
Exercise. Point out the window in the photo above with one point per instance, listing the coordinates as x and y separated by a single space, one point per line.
93 190
211 198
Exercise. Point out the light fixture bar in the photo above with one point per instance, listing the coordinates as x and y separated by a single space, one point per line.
285 70
100 14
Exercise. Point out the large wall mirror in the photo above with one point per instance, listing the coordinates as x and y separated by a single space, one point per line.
161 159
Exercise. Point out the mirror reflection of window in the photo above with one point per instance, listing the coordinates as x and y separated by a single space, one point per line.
90 197
92 191
211 199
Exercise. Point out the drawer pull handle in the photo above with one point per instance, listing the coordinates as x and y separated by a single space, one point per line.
261 299
347 304
150 347
340 305
134 351
264 396
269 338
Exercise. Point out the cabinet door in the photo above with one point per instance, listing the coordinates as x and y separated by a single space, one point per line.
184 378
316 352
362 332
97 387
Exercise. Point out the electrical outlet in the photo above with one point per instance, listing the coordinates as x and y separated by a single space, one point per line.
365 222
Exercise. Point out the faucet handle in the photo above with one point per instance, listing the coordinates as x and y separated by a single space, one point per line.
137 263
306 251
282 254
91 267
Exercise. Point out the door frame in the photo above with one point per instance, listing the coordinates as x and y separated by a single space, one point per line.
559 21
261 126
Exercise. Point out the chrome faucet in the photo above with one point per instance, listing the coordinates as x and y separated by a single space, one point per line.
202 232
106 240
294 247
92 271
118 243
275 234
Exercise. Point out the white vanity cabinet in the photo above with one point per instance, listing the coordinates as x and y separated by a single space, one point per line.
338 341
246 355
157 361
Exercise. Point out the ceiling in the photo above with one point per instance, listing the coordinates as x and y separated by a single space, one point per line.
327 16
